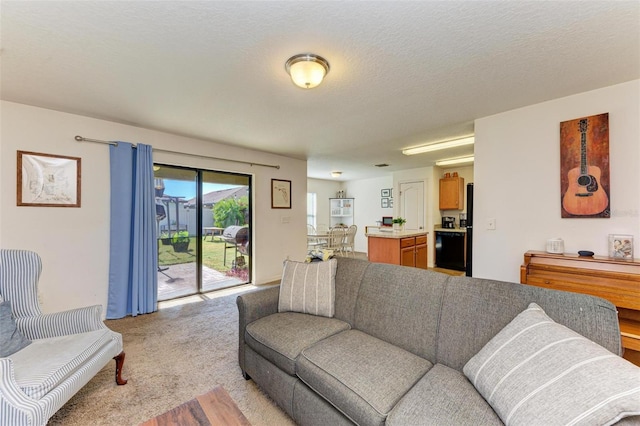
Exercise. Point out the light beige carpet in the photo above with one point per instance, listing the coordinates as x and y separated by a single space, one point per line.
172 356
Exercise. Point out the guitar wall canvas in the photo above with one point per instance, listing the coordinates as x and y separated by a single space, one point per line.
584 167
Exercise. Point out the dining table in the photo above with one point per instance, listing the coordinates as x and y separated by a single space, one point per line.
322 239
317 240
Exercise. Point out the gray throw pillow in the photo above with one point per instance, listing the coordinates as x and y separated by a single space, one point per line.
309 288
11 340
535 368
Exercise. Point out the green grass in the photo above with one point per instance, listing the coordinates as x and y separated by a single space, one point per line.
212 254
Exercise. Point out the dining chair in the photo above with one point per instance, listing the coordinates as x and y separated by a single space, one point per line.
348 245
313 242
336 240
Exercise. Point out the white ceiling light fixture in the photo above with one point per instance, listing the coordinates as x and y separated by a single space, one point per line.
336 174
459 160
307 70
436 146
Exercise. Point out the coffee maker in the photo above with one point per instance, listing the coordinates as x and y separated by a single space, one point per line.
463 220
448 222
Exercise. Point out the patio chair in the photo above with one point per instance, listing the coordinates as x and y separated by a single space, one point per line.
67 349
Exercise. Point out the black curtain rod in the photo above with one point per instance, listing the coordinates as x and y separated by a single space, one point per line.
114 143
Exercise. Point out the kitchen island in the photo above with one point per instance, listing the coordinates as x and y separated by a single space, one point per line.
406 248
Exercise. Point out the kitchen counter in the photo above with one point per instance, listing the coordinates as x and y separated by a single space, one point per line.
379 233
440 229
407 248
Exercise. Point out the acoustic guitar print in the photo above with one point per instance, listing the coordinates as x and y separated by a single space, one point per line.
584 196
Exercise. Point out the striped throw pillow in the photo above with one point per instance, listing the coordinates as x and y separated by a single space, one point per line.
536 370
309 288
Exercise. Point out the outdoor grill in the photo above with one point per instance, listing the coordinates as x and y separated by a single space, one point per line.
236 237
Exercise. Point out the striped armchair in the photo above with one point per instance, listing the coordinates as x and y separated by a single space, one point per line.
67 348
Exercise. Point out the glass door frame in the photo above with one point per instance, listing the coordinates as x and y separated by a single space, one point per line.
199 183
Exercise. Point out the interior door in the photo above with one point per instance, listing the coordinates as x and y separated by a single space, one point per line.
412 204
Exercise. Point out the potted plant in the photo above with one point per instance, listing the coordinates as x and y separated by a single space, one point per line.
165 238
398 223
180 241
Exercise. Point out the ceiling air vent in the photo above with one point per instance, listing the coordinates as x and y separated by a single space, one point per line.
382 165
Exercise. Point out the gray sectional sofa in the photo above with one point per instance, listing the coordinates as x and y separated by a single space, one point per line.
396 348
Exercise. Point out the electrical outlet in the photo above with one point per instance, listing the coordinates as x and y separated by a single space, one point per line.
491 224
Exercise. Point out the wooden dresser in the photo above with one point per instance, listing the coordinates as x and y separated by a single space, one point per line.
617 280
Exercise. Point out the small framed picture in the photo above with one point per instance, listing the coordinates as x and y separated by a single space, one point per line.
384 203
385 192
621 246
46 180
280 194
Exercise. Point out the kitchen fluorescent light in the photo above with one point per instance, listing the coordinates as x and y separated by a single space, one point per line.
451 161
436 146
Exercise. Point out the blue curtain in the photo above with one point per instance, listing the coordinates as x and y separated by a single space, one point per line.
133 254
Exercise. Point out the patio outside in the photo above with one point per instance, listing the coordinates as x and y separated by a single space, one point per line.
177 274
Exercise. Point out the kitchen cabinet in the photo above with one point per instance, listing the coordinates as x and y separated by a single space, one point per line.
452 193
406 248
617 280
341 211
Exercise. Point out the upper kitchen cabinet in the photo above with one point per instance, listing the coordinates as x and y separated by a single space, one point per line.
452 193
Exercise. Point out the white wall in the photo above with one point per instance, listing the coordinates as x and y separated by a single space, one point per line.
367 205
324 189
517 179
74 242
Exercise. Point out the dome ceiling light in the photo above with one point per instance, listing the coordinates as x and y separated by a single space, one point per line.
307 70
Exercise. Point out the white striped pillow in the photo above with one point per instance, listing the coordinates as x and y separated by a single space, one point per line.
536 370
308 288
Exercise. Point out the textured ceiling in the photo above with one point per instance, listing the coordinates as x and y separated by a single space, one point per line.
402 73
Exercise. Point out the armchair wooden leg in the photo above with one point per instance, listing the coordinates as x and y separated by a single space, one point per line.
119 362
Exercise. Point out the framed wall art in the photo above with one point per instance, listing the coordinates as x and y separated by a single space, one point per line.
584 167
621 246
280 194
46 180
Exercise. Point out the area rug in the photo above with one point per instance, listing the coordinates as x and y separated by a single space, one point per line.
172 356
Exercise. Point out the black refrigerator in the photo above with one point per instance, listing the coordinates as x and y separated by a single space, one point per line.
469 259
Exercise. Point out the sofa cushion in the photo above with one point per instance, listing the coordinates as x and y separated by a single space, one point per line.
309 288
11 340
474 310
362 376
452 400
281 337
46 363
538 369
401 306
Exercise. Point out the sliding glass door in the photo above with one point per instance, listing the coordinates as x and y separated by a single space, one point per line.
204 231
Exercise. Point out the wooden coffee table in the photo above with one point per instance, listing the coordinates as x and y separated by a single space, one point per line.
212 408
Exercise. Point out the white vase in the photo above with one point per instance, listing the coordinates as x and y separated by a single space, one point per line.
397 227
